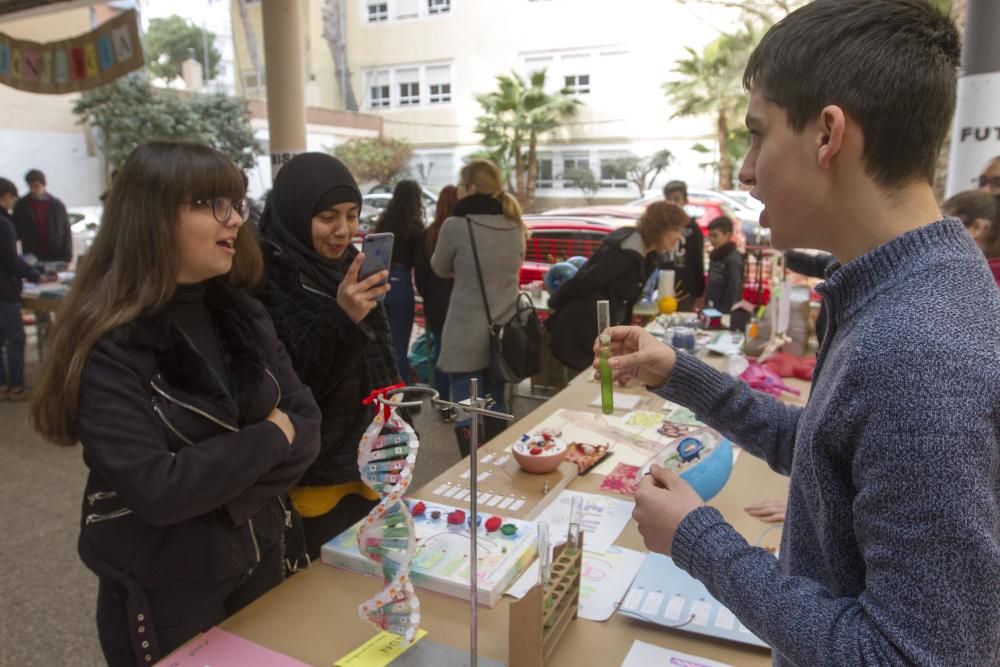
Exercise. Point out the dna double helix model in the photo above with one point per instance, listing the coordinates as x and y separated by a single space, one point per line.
386 456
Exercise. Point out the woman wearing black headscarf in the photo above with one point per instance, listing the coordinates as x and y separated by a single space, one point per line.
334 331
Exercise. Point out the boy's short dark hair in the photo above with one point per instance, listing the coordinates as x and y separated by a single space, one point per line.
7 188
891 65
675 186
723 224
34 176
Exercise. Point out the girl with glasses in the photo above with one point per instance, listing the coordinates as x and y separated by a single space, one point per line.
192 420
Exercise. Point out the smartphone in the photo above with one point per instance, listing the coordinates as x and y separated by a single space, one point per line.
378 255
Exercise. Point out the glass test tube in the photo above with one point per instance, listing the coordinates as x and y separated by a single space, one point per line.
607 383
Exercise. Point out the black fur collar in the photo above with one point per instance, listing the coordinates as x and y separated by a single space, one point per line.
184 369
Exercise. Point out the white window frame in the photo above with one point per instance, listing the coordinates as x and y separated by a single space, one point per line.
413 13
619 183
407 86
550 182
443 94
438 7
575 84
580 158
378 16
383 99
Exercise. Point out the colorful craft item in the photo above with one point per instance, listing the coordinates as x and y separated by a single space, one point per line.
493 524
509 529
418 509
710 318
479 520
689 449
386 456
435 514
456 518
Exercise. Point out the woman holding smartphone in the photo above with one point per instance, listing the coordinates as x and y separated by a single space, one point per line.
332 325
193 422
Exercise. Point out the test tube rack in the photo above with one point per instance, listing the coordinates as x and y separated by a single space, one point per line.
539 619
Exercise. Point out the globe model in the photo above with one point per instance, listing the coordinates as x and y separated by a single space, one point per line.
557 275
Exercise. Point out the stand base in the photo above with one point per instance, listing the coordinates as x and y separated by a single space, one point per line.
427 652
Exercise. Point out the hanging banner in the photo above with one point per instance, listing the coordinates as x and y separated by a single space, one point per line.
78 63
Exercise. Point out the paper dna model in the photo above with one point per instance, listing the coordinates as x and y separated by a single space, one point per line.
386 457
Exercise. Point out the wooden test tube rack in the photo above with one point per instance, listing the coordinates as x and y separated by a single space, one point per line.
539 619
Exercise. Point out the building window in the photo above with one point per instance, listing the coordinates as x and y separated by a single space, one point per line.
573 161
380 96
578 83
378 11
439 84
612 174
544 180
378 90
438 6
409 94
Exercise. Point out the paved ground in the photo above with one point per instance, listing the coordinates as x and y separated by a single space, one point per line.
47 596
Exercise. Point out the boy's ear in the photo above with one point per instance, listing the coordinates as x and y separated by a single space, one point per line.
832 125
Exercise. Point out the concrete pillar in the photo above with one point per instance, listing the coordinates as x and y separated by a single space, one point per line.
975 136
283 62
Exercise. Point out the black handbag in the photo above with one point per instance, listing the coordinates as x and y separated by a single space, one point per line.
515 347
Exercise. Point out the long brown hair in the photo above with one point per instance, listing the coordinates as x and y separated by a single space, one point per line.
486 177
132 266
447 199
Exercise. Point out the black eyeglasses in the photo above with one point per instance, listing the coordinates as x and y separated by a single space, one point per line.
989 181
222 207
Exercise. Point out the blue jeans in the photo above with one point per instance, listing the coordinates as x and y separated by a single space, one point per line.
441 382
11 344
399 308
488 427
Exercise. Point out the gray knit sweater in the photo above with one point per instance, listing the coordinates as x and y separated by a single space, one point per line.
891 546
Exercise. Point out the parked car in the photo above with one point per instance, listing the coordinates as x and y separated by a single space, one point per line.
430 199
707 208
744 198
84 221
372 205
556 238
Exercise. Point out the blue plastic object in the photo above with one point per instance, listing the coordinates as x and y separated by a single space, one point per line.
577 261
711 473
557 275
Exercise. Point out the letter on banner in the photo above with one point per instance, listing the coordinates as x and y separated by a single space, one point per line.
15 64
32 65
123 43
4 59
105 52
90 59
61 58
77 66
46 76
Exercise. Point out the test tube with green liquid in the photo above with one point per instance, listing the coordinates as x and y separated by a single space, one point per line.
607 383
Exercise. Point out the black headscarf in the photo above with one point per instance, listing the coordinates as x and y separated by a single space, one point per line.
309 184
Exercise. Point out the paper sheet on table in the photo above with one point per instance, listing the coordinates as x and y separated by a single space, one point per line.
623 402
603 519
605 579
218 648
642 655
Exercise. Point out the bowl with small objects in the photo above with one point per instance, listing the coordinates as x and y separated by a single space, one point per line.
540 452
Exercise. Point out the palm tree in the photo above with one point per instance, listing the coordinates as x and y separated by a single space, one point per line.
711 82
514 117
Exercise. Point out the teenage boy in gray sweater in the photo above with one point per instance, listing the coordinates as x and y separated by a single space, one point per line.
891 548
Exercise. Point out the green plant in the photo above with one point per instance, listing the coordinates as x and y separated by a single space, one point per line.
130 111
380 159
643 170
583 179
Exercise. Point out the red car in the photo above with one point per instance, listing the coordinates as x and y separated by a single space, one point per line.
556 238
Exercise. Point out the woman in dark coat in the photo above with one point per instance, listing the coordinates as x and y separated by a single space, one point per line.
435 290
616 273
335 332
193 422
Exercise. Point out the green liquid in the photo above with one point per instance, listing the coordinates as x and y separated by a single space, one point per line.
607 382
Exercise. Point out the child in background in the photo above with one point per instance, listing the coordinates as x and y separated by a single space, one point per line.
725 267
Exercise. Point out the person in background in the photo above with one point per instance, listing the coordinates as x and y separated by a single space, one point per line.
435 291
725 268
42 223
616 272
989 180
687 260
13 269
403 217
492 217
978 210
192 420
334 330
891 543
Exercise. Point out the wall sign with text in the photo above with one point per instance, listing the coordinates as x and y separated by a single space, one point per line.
74 64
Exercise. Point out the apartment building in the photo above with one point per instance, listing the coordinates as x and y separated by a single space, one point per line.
418 64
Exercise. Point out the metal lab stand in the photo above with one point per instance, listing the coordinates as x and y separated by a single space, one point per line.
475 406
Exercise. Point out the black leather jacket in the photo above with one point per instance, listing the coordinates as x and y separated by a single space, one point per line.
187 477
